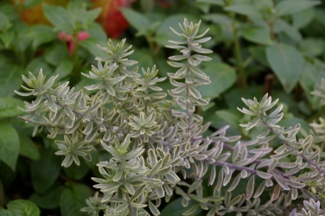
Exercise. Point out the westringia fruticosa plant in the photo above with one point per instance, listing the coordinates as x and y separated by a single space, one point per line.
157 148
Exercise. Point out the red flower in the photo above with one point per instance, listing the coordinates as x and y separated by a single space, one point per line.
111 18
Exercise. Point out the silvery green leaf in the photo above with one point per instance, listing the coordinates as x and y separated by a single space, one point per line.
227 199
294 193
128 187
259 190
194 93
25 94
224 157
153 208
295 184
281 181
52 105
194 186
88 128
197 198
244 162
235 153
49 82
276 192
118 175
94 86
263 175
268 183
281 155
201 57
200 157
201 50
156 168
69 113
69 123
227 178
236 200
272 165
94 107
225 169
122 208
250 187
110 90
191 210
243 173
35 104
182 193
134 153
234 183
172 177
177 57
246 111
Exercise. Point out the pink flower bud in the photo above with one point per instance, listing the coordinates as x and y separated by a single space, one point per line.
71 47
62 36
83 35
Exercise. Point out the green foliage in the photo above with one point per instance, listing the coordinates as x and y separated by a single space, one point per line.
156 147
118 130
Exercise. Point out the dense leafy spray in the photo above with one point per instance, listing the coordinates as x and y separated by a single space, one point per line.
159 148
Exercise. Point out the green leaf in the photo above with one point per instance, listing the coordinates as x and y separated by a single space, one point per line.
292 32
287 63
45 171
258 52
30 3
219 73
7 176
7 37
64 68
41 34
10 79
9 145
94 50
23 208
143 57
56 54
310 76
312 46
136 19
288 7
231 117
2 193
77 172
73 199
9 107
49 200
303 18
218 19
37 63
28 148
96 32
4 22
59 17
5 212
245 9
175 208
256 34
213 2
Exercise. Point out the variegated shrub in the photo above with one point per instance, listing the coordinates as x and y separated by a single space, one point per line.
160 148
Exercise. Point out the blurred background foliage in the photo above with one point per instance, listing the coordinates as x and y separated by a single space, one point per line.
260 46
